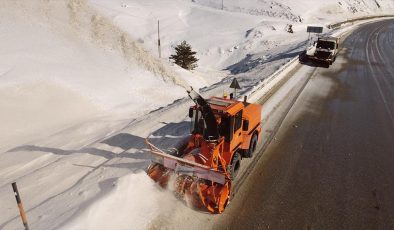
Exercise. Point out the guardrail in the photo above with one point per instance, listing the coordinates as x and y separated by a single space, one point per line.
339 24
267 80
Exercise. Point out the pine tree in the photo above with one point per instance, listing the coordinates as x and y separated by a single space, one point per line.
184 56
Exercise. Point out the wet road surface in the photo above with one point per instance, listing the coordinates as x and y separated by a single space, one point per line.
331 165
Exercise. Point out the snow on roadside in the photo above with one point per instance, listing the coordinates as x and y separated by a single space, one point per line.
134 198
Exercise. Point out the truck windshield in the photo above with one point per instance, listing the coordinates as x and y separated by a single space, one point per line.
225 128
325 45
197 123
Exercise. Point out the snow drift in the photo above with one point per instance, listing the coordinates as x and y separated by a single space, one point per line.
143 202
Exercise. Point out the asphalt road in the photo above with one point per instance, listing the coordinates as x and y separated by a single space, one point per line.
331 165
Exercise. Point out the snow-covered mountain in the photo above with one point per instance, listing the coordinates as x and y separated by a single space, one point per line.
302 10
79 79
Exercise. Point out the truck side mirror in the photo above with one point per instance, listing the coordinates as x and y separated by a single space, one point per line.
245 125
191 112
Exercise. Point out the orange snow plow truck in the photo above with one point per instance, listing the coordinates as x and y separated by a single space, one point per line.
202 172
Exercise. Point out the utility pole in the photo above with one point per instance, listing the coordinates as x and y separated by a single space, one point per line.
158 37
222 5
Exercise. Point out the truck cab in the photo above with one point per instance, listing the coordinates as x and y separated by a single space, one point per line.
239 124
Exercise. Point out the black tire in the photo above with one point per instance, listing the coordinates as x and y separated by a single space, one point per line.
302 57
252 146
235 165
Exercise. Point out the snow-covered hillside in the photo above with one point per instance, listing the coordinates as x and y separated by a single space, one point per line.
61 63
79 80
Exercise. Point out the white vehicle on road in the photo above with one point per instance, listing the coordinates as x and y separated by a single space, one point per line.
324 50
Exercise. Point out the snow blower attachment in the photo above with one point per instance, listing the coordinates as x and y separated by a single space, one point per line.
223 132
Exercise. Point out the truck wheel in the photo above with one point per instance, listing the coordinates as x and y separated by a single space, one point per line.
302 57
252 146
235 165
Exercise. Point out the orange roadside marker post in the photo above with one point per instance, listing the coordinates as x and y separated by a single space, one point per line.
20 206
